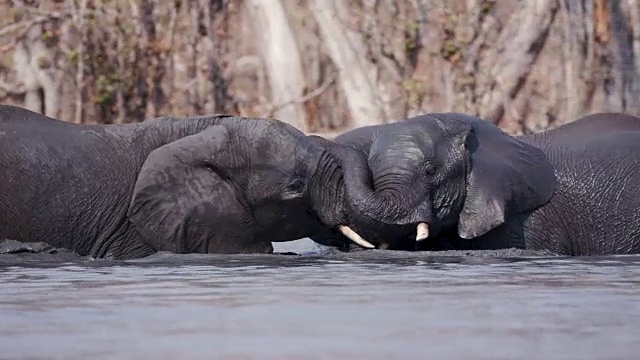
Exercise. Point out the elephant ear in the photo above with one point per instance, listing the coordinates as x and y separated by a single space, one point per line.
177 184
506 176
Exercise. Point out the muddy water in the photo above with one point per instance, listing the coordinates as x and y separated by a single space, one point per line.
320 305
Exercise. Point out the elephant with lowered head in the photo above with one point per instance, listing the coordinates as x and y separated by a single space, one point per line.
206 184
454 181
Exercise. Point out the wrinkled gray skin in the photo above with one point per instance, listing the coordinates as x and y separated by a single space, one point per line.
216 184
574 190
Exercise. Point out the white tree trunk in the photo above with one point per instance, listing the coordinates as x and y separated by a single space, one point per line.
282 59
28 77
634 15
346 49
634 23
514 54
35 65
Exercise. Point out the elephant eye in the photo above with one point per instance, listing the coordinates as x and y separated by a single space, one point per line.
293 189
429 168
296 184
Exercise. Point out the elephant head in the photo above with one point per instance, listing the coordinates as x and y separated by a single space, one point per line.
239 179
436 172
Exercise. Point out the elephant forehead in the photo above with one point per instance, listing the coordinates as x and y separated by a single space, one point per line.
272 151
401 146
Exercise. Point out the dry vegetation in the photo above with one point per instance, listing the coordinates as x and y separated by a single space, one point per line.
322 65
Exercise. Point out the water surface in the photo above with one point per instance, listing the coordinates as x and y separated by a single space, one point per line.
320 305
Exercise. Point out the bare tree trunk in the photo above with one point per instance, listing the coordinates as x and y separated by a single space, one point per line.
153 48
280 53
79 19
138 104
517 49
45 61
578 45
570 54
192 67
25 72
218 23
120 102
35 63
347 51
626 74
634 21
170 66
51 90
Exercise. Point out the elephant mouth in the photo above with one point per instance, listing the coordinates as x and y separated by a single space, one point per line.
422 233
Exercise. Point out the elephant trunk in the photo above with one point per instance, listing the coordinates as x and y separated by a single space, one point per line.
360 190
368 205
381 205
389 199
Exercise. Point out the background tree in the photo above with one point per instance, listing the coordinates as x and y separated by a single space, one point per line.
322 66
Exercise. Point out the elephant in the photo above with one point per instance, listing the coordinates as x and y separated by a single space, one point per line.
200 184
453 181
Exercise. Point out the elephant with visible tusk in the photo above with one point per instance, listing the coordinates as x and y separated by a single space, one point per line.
448 180
204 184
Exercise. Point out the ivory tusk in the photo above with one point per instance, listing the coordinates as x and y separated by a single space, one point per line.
422 231
353 236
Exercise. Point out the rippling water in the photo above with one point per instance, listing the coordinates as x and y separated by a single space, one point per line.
363 305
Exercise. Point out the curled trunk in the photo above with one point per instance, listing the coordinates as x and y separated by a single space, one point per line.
367 204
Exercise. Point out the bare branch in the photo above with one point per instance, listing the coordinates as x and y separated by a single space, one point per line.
13 89
10 46
302 99
27 24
